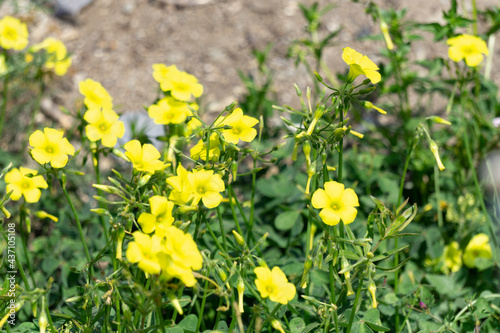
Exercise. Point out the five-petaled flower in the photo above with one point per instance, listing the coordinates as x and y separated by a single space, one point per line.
274 284
468 47
13 33
241 127
478 247
143 158
160 216
57 55
452 258
95 95
336 203
181 188
143 250
206 186
21 185
103 125
50 146
170 111
360 65
181 85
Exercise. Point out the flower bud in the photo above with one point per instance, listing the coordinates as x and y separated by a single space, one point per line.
307 152
234 169
144 180
277 325
42 321
27 220
438 120
120 235
369 105
311 171
175 303
44 215
387 37
5 211
241 291
347 275
106 188
239 239
222 274
372 288
434 150
261 262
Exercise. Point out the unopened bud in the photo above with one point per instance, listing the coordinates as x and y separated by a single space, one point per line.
241 291
144 180
438 120
435 151
120 235
261 262
345 264
372 288
106 188
5 211
277 325
239 239
234 169
367 90
387 37
120 154
175 303
222 274
27 220
42 321
369 105
100 211
44 215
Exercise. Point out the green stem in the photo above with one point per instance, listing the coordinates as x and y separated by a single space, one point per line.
233 211
78 224
353 310
99 192
221 225
276 308
438 197
200 315
4 102
215 238
22 212
474 17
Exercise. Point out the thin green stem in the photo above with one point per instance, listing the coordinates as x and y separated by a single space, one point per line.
78 224
221 226
233 211
355 305
203 300
99 192
438 197
474 17
22 216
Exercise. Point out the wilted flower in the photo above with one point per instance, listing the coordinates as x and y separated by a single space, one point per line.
50 146
360 65
21 185
103 125
95 95
336 203
468 47
274 284
143 158
242 127
478 247
13 33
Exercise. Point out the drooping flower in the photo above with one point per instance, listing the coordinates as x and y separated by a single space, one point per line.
274 284
21 185
199 150
468 47
206 186
169 111
95 95
182 190
242 127
144 158
161 214
181 85
360 65
103 125
143 250
180 256
13 33
452 257
57 55
50 146
478 247
335 203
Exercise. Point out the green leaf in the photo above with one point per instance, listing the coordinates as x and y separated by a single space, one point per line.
189 323
310 327
372 319
297 325
395 268
286 220
174 330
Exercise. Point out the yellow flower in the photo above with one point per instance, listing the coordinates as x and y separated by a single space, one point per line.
161 214
182 191
369 105
241 127
336 203
274 284
478 247
13 33
452 257
103 125
95 95
181 85
50 146
360 65
162 72
169 111
199 150
180 256
206 186
144 250
469 47
57 55
145 158
21 185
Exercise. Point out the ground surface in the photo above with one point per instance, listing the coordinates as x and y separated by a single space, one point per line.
117 41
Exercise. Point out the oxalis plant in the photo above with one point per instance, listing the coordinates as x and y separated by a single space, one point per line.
183 239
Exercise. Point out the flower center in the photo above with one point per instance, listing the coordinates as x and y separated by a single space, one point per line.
269 289
11 33
103 127
201 190
236 131
25 185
